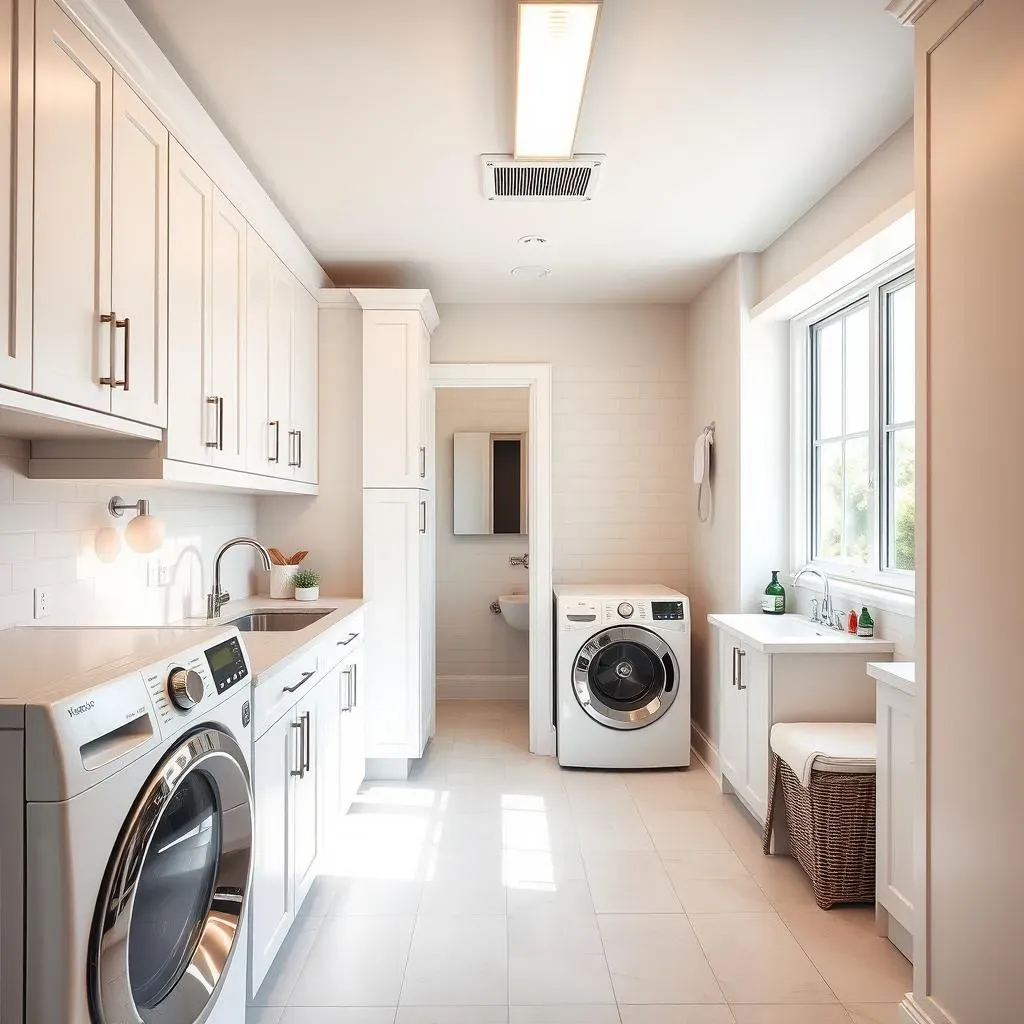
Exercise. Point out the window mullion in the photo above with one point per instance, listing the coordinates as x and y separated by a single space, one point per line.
876 378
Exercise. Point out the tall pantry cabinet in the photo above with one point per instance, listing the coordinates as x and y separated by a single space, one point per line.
398 525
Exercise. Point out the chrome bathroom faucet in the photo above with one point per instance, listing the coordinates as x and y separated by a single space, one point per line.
217 597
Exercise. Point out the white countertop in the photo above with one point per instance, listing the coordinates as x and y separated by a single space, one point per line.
793 634
269 649
900 674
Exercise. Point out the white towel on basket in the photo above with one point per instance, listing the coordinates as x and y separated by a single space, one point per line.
848 747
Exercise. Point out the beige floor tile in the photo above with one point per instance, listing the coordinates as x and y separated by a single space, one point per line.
580 1014
567 896
630 883
375 896
457 961
687 831
450 896
541 869
339 1015
705 864
452 1015
263 1014
874 1013
820 1014
612 830
355 961
757 960
858 964
288 965
655 958
781 879
548 976
719 895
692 789
552 933
676 1014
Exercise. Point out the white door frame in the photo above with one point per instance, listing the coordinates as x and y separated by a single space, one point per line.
536 377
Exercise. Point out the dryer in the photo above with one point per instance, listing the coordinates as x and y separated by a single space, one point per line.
130 856
622 677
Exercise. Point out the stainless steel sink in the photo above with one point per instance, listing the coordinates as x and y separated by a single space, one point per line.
277 621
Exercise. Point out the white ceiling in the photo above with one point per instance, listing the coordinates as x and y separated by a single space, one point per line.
722 121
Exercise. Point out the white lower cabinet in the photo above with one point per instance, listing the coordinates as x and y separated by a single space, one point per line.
352 762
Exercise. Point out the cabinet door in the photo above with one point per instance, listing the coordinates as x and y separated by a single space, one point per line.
259 433
226 358
426 612
272 909
396 355
754 680
16 126
732 748
306 827
329 702
71 348
281 322
353 730
189 424
303 431
391 585
139 255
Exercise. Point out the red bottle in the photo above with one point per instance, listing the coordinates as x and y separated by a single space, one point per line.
852 622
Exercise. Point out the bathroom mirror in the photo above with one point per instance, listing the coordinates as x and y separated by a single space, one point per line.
489 483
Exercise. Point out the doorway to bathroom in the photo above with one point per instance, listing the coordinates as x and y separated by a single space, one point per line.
493 547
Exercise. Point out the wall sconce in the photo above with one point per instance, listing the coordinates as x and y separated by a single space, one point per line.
145 533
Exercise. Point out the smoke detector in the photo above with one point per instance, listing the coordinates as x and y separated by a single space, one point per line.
574 180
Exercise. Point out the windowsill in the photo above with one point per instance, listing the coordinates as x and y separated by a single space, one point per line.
860 593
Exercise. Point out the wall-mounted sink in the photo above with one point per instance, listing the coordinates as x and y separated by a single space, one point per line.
515 608
277 621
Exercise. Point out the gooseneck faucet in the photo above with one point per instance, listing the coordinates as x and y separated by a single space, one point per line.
826 600
217 597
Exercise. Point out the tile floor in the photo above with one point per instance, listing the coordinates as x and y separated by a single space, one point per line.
495 888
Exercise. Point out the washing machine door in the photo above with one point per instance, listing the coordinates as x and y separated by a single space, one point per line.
625 677
169 916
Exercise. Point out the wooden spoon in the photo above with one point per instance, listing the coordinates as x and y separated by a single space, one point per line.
297 557
276 557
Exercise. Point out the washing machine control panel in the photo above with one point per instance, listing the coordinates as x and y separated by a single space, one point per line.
626 610
667 611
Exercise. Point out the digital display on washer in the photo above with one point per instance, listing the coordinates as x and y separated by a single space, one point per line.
667 610
227 664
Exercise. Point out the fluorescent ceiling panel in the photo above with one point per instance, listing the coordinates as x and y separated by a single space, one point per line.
555 41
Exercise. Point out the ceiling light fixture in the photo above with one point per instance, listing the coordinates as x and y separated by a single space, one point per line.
554 46
531 272
145 533
533 241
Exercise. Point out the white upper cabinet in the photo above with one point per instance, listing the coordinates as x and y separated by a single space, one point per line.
281 321
305 346
16 46
398 449
71 348
262 437
139 253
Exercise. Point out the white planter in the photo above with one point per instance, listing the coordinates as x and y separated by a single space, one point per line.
307 593
281 581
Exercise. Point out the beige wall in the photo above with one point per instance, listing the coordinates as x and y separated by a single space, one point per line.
478 653
46 539
879 182
330 526
622 445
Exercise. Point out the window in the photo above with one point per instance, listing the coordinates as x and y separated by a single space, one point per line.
857 431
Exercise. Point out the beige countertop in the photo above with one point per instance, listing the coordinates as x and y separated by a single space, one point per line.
267 650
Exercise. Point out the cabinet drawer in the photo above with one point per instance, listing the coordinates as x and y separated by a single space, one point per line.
341 641
280 689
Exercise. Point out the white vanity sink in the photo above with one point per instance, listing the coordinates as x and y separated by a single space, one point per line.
793 634
515 608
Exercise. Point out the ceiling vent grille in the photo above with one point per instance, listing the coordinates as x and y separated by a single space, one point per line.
545 180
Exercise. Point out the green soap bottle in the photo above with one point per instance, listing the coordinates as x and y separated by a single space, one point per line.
865 624
774 600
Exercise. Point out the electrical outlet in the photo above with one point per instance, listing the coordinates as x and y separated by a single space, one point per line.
41 602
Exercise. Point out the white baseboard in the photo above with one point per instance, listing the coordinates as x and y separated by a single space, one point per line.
705 750
912 1012
483 687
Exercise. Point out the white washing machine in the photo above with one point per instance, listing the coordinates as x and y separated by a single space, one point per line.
126 850
622 677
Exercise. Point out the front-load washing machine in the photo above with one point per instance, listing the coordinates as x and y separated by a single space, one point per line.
126 851
622 677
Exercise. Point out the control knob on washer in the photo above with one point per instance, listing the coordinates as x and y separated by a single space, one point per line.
626 610
185 688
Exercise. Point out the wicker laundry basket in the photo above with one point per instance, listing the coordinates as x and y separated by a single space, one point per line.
831 827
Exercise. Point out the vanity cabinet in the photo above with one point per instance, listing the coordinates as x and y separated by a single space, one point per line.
782 671
99 272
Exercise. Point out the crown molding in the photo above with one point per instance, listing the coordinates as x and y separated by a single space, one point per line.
418 299
907 12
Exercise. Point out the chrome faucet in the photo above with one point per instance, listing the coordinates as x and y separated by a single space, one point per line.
826 600
217 597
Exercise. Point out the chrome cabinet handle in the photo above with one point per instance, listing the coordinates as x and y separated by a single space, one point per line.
298 434
423 517
300 771
218 403
291 448
348 689
306 676
305 733
423 461
113 380
347 640
126 323
275 425
355 685
740 655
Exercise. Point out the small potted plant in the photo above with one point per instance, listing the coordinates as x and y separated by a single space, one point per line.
307 585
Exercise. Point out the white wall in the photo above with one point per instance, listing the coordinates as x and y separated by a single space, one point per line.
46 539
881 181
621 439
478 653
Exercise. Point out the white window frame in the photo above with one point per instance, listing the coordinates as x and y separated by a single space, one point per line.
874 580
